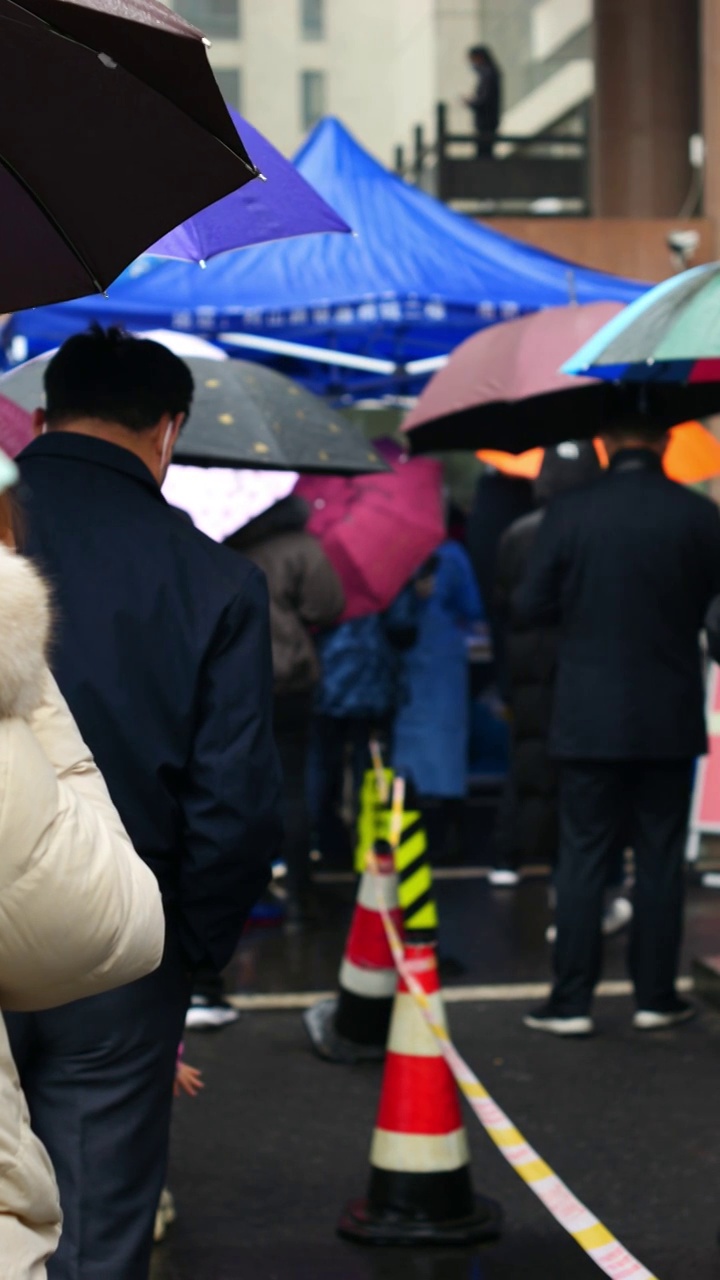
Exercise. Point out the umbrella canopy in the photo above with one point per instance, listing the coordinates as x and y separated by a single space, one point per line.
377 530
416 281
282 206
116 133
502 389
244 415
220 501
672 334
692 456
15 427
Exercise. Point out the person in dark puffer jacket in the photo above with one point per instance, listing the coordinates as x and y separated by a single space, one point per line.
527 824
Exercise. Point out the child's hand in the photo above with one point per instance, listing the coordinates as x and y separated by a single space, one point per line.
187 1080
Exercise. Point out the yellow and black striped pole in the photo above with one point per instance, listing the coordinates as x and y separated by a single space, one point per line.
408 841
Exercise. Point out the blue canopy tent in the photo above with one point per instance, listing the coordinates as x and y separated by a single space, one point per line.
414 281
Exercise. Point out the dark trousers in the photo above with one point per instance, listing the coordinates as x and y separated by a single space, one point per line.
98 1076
292 713
330 738
599 802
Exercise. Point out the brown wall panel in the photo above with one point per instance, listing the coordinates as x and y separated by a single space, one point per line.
646 105
635 247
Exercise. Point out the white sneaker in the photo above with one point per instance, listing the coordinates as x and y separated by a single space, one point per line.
165 1215
204 1016
617 916
544 1019
655 1020
502 878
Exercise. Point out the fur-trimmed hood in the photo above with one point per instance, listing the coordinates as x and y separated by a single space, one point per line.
24 634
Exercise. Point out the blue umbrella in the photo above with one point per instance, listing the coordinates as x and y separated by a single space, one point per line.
284 205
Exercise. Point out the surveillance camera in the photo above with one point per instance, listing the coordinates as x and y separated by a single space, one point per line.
683 243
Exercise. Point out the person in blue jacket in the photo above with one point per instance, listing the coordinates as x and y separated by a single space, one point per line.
430 741
356 698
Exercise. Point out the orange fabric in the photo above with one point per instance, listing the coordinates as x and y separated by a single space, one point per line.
693 455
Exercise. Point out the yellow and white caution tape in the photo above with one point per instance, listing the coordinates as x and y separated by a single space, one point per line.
594 1238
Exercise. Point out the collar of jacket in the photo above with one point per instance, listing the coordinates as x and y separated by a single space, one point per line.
73 445
636 460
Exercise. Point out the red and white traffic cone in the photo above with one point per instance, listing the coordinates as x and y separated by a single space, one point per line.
420 1183
353 1027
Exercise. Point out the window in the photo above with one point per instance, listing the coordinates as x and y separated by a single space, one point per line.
312 97
312 19
230 83
218 19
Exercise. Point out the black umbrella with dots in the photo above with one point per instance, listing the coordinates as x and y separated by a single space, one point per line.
245 415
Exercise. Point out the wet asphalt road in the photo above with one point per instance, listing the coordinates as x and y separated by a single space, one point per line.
263 1162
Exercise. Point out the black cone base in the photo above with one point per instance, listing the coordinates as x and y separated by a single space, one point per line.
387 1227
319 1023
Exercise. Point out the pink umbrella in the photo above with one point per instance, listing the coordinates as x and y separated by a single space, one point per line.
377 530
15 427
503 389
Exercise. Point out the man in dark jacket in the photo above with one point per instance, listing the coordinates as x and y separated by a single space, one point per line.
627 567
526 829
162 649
486 101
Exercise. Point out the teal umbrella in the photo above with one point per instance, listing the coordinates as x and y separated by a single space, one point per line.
669 335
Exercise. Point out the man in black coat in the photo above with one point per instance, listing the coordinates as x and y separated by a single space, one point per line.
162 649
486 101
627 567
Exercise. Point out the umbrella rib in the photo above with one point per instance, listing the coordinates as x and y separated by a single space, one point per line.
62 35
47 213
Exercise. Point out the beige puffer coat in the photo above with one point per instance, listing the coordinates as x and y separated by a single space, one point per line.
79 912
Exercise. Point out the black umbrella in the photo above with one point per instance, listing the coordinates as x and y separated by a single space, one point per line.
244 415
113 131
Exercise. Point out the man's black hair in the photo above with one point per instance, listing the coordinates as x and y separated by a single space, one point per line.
112 376
483 51
635 427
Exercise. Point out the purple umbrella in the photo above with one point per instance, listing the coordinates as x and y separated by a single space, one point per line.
283 206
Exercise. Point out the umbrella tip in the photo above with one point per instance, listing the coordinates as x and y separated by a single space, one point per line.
261 176
202 264
207 43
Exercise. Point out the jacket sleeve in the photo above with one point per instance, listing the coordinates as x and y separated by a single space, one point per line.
79 911
538 598
232 796
321 598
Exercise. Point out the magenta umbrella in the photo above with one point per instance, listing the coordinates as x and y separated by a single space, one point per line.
377 530
503 389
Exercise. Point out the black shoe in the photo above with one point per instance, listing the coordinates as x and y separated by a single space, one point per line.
546 1018
662 1019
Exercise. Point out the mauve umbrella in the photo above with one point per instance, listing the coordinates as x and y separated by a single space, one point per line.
113 132
377 530
285 205
503 389
244 415
15 427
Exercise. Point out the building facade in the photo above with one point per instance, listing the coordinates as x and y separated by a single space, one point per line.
383 65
